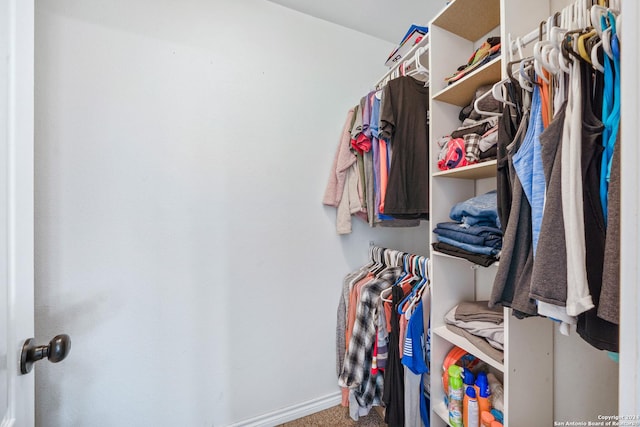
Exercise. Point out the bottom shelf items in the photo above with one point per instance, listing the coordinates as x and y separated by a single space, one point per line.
466 345
465 379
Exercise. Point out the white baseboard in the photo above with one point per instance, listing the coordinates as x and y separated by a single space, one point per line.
291 413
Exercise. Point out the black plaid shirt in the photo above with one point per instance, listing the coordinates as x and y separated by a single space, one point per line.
356 370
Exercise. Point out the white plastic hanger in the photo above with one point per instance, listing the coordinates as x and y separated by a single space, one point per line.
615 6
606 42
549 59
419 67
523 78
556 34
565 23
498 90
596 13
594 57
519 45
538 64
478 110
546 52
416 66
511 48
417 296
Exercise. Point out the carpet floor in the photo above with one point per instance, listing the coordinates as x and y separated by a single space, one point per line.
337 416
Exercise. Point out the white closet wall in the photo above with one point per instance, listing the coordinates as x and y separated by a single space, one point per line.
182 150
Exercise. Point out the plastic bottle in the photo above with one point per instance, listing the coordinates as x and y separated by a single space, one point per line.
486 418
456 390
471 413
483 392
468 379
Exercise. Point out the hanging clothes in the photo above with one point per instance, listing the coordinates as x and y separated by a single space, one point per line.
578 298
549 276
609 307
356 370
574 268
611 107
512 283
369 362
378 130
393 395
359 174
342 189
598 332
403 123
507 127
527 163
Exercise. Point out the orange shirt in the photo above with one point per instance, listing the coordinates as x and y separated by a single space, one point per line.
545 100
406 288
384 173
354 296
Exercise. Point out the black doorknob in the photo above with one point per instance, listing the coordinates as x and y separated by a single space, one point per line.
56 351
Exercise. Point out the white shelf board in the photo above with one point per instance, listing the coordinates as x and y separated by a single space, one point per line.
436 253
441 410
470 19
461 92
481 170
466 345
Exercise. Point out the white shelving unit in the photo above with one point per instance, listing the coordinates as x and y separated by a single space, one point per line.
527 369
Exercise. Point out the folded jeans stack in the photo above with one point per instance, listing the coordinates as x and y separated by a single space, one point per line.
475 234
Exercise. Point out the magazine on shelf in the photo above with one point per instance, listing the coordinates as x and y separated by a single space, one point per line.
414 35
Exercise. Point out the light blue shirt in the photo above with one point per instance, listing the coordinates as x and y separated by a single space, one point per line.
527 163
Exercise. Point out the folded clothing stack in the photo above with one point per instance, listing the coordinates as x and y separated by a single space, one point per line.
489 50
475 234
473 142
481 325
479 238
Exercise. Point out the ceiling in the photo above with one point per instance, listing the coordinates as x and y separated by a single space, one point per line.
384 19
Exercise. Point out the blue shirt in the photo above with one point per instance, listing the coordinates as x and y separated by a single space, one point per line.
610 111
527 163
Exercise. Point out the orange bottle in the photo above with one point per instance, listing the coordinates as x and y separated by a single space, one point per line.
483 391
486 418
470 411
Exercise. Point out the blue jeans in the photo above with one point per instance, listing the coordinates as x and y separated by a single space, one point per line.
474 237
476 249
481 209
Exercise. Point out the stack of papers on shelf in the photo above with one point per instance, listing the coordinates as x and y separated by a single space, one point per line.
414 35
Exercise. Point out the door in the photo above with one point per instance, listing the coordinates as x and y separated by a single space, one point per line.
16 208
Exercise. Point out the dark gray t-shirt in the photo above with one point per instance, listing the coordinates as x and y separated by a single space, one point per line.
403 122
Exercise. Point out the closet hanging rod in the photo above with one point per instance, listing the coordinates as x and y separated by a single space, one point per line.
542 29
424 42
534 35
